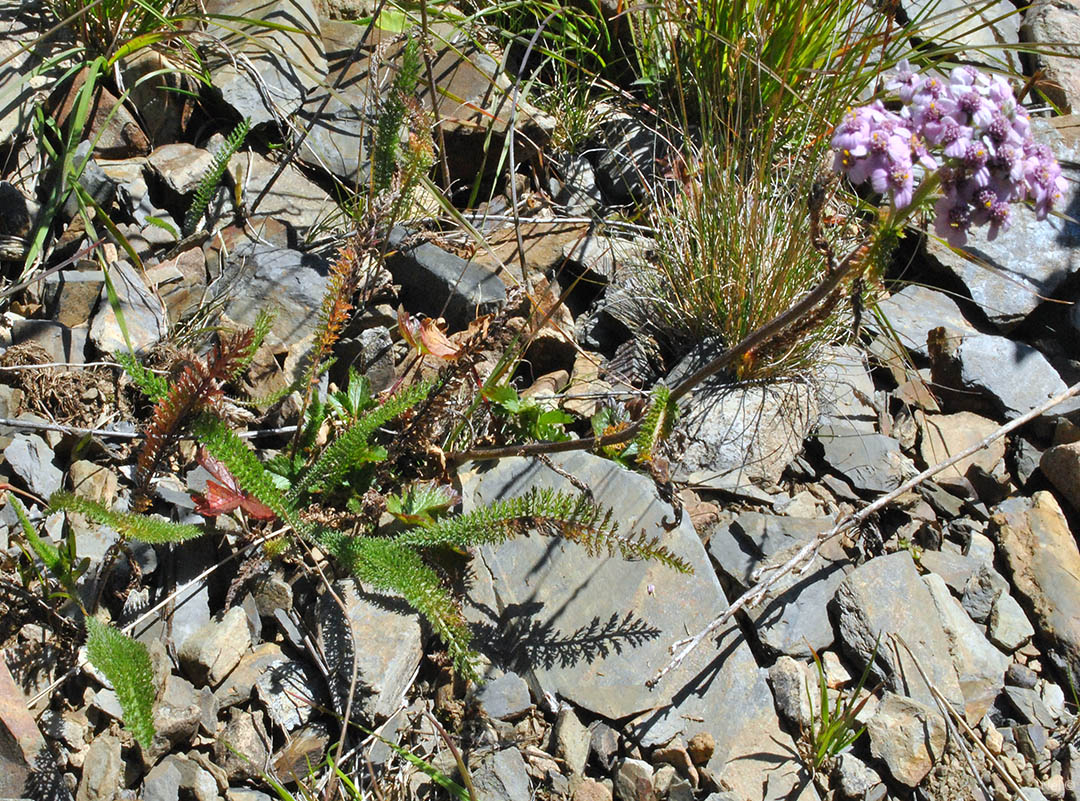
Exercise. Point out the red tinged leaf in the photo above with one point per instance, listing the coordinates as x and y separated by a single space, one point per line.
426 336
226 496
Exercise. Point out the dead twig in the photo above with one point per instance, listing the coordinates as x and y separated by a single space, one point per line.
804 555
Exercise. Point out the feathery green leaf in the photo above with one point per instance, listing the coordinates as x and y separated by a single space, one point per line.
209 182
133 526
126 664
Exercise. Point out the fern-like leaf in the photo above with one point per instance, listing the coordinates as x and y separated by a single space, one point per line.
388 128
212 177
152 385
351 448
657 423
126 664
388 565
252 476
573 517
198 387
45 550
139 527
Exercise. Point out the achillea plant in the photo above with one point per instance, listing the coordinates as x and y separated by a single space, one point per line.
967 136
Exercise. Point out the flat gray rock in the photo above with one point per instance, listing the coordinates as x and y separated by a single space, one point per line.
1014 377
289 282
871 462
379 635
593 630
793 617
732 436
276 65
502 777
31 459
846 390
441 284
505 698
914 311
290 691
886 596
143 313
980 667
909 737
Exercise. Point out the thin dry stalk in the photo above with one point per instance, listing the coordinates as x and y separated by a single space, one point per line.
802 558
951 716
947 712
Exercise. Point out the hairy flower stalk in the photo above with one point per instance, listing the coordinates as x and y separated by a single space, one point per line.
966 137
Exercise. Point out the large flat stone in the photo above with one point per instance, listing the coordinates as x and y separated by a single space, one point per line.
592 630
793 617
884 597
1044 562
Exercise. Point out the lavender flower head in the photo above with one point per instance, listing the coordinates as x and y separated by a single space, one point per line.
970 130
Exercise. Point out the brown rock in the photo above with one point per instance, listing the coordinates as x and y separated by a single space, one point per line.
1043 559
701 747
592 790
908 736
94 482
945 435
1061 464
24 756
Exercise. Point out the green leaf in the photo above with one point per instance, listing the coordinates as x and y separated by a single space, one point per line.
126 664
143 528
46 551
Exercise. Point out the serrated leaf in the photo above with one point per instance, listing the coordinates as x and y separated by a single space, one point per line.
126 664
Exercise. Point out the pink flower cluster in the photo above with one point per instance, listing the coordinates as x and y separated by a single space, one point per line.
971 130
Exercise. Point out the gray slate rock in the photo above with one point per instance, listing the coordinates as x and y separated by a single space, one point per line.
915 310
1031 707
177 715
980 32
580 192
980 592
871 462
886 596
1056 25
502 777
432 278
980 667
381 635
210 654
789 680
954 568
1031 259
143 313
1012 377
854 777
634 781
732 436
1009 627
178 773
505 698
103 770
262 276
286 56
245 731
571 740
630 154
240 684
31 459
793 617
907 736
61 342
290 691
845 389
590 630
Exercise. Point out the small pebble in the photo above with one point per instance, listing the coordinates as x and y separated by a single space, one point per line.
1053 788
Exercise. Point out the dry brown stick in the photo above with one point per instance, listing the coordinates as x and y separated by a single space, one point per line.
801 558
759 336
